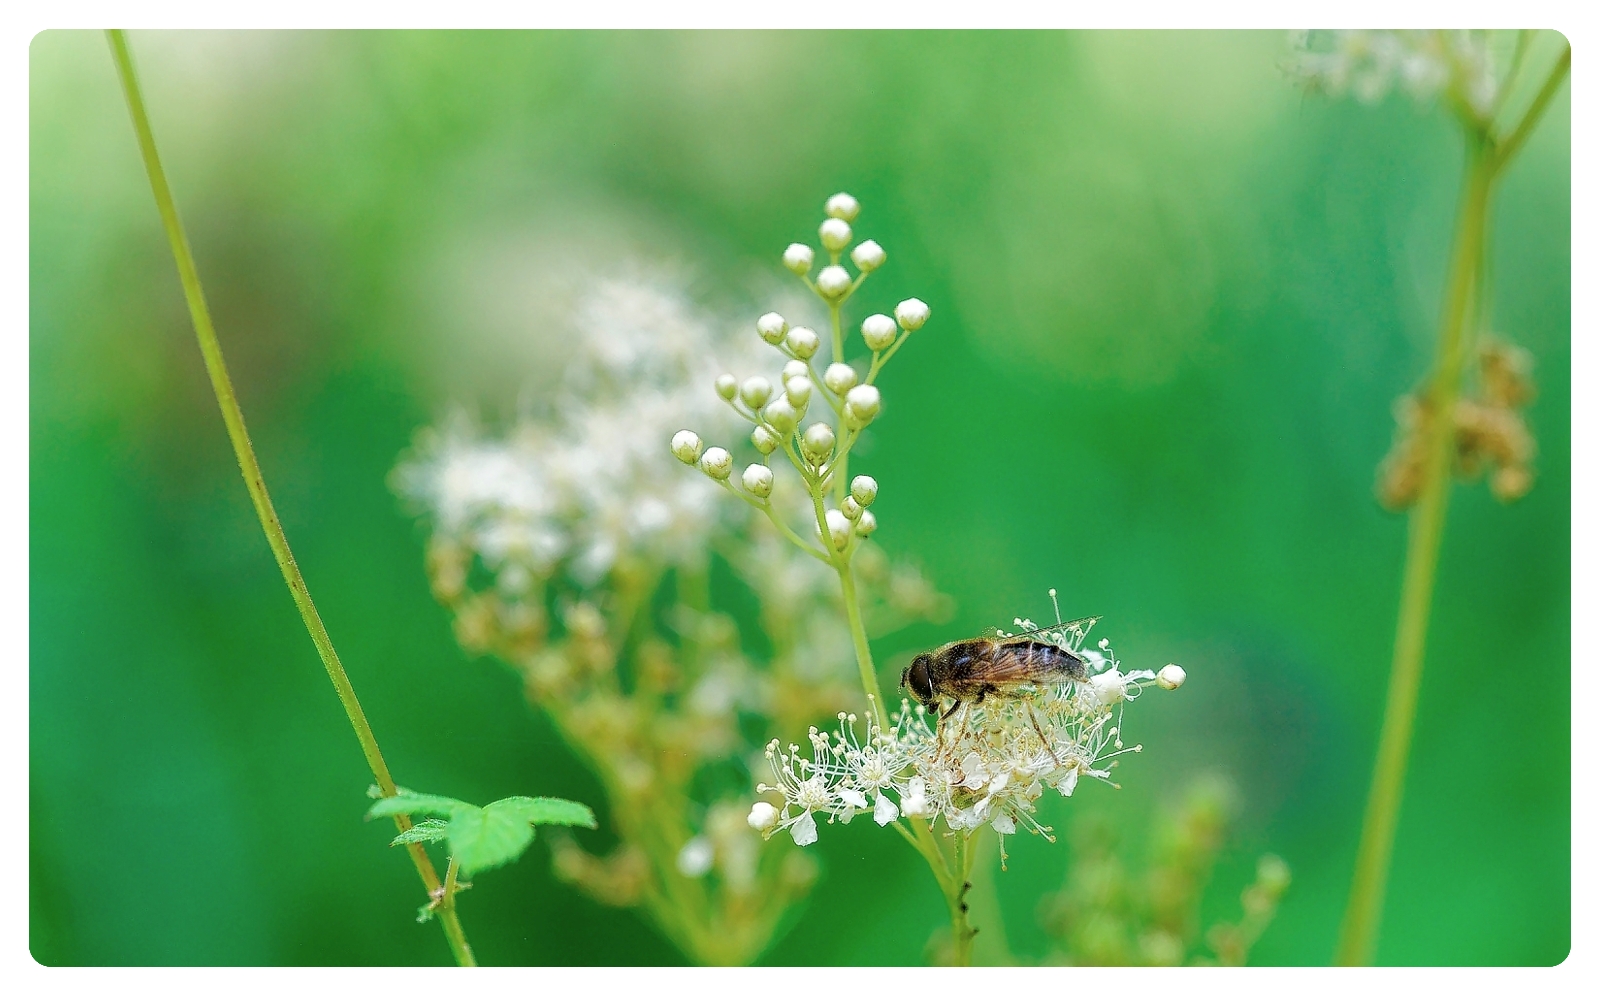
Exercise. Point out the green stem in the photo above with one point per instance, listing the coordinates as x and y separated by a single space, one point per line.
234 419
864 654
1508 147
1359 930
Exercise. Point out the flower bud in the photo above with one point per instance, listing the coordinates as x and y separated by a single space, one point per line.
911 314
835 234
727 387
764 439
755 391
763 816
799 391
686 446
798 258
840 377
868 256
818 442
771 327
851 508
878 332
862 403
781 415
842 206
796 368
839 528
717 463
867 524
833 282
1170 677
802 342
758 480
864 490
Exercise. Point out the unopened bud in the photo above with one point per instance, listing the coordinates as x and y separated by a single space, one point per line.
727 387
796 368
835 234
1170 677
840 377
764 439
758 480
755 391
868 256
833 282
851 508
781 415
798 258
763 816
842 206
717 463
878 332
911 314
818 441
864 490
862 403
867 524
799 391
771 327
802 342
686 446
839 528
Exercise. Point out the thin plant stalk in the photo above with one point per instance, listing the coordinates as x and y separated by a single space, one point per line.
256 485
1461 312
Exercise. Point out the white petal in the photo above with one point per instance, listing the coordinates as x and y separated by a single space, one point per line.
1069 782
804 830
884 810
1003 824
853 797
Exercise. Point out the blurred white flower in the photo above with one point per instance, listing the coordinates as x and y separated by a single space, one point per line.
1426 64
590 483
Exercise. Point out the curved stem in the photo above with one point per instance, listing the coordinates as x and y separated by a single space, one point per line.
234 419
1359 930
1508 147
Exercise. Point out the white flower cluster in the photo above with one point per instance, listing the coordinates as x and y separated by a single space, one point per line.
987 764
588 484
1426 64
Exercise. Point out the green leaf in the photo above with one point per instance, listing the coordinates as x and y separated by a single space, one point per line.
483 839
418 803
546 810
431 829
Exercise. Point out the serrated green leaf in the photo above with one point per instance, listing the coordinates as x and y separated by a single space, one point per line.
486 838
417 803
429 830
545 810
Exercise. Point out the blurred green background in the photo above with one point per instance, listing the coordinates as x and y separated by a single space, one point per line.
1173 301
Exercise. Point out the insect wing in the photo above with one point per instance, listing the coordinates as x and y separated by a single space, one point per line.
1072 632
1008 663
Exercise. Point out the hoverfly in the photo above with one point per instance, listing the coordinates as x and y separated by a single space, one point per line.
1002 665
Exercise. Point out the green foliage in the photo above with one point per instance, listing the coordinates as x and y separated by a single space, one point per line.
480 837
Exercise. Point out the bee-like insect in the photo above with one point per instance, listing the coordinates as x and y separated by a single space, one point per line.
1003 665
966 671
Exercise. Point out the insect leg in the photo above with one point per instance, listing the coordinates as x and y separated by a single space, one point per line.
1041 731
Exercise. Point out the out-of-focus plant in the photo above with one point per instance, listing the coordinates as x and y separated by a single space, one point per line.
569 548
1464 419
1109 915
479 838
994 758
